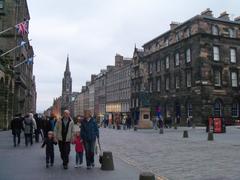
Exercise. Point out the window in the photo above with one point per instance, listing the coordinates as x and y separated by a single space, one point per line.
1 4
217 109
158 85
177 82
216 56
234 79
177 37
158 66
235 110
188 55
187 32
232 33
167 65
177 59
217 78
150 68
166 42
215 30
233 57
189 110
167 83
150 86
189 79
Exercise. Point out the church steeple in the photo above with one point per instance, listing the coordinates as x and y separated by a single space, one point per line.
67 65
66 86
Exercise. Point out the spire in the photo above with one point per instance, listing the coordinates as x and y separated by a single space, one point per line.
67 64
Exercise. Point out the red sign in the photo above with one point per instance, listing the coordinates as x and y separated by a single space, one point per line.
217 125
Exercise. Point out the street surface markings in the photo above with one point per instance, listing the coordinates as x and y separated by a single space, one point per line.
134 164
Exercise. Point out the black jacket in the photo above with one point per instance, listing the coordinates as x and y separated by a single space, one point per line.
16 125
49 145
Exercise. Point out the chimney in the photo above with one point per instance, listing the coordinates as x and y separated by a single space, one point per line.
224 15
173 25
93 77
207 12
237 19
118 60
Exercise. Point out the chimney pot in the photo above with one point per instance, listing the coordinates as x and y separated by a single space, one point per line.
173 25
224 15
207 12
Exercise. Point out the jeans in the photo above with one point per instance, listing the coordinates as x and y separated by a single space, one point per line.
64 148
16 136
49 157
89 152
28 137
79 158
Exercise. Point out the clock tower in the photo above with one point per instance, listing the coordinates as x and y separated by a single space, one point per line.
66 87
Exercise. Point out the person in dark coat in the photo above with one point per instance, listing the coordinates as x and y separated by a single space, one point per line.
38 130
49 143
16 126
89 134
129 122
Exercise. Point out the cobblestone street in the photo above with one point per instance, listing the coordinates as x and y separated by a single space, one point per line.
167 155
171 156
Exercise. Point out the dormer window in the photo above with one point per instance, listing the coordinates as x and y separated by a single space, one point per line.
215 30
232 33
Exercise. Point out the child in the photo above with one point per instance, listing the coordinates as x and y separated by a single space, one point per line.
79 148
49 142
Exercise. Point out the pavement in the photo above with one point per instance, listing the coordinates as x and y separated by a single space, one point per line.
168 156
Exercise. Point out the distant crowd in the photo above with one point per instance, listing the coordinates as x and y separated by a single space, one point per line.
83 133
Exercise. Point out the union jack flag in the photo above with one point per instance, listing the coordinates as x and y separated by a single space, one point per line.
22 28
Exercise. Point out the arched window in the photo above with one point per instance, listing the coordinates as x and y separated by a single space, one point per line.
217 109
189 109
235 109
215 30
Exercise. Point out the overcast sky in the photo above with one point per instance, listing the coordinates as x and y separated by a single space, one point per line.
93 31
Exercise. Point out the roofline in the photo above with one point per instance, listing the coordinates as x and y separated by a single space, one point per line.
193 19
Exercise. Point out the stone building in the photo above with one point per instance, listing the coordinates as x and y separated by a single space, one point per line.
17 84
100 94
118 89
193 69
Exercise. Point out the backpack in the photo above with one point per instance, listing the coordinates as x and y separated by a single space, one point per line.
28 129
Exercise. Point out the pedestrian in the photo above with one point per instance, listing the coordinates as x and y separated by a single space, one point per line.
64 135
52 121
46 126
155 121
29 125
38 128
89 134
129 122
79 148
16 126
49 143
77 125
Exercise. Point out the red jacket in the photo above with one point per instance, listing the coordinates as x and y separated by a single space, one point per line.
79 147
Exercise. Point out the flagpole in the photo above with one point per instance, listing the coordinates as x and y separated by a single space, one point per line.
6 30
26 60
12 50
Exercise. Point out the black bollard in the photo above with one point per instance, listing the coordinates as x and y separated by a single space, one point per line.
210 136
107 161
185 134
147 176
161 131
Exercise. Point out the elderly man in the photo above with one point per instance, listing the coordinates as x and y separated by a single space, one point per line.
64 132
89 133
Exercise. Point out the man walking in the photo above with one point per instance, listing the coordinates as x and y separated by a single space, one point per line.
64 132
29 125
16 126
89 133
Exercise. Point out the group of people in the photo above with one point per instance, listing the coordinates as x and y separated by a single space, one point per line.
64 132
